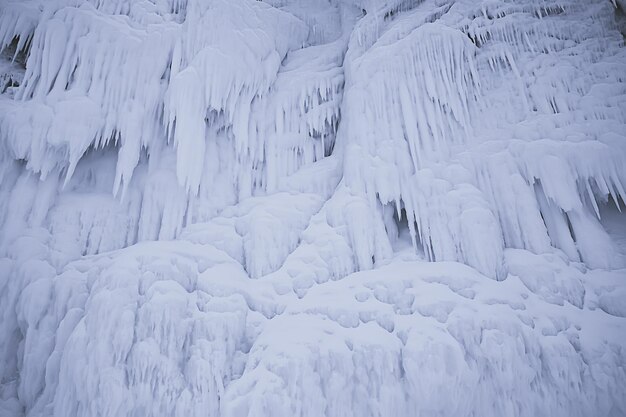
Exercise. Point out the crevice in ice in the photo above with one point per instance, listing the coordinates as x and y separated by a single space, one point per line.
16 54
620 18
613 219
402 235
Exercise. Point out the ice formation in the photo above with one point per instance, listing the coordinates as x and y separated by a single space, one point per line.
312 208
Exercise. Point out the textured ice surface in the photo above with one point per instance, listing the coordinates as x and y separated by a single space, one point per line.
312 208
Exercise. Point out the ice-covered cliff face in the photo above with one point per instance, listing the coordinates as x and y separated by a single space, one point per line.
312 208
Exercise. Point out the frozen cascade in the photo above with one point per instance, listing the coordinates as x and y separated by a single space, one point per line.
312 208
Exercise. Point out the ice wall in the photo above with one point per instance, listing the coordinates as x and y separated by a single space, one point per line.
484 120
305 208
488 122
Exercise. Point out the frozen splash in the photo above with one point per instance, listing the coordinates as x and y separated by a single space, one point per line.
305 208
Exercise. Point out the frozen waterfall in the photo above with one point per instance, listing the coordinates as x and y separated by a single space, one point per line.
307 208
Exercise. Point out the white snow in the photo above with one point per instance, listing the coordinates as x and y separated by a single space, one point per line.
312 208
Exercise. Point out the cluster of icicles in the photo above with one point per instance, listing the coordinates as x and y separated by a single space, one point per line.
464 120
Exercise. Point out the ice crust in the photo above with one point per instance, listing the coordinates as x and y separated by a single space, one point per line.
312 208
